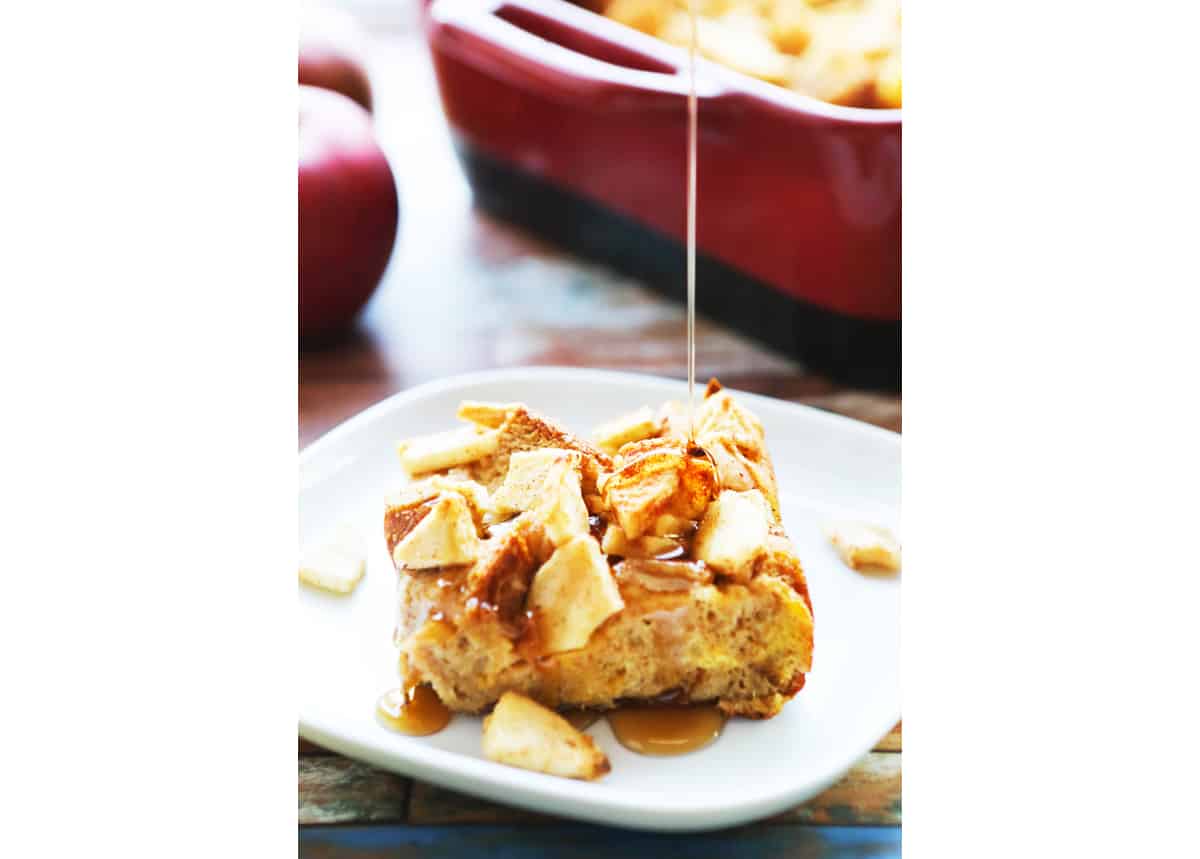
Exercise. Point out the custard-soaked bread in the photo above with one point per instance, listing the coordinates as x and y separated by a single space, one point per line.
746 647
677 583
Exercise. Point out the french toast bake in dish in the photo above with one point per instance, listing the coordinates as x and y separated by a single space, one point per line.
647 563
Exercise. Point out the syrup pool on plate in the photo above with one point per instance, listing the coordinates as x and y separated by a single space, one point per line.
414 709
666 729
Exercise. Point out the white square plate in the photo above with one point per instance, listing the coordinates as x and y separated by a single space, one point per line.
827 467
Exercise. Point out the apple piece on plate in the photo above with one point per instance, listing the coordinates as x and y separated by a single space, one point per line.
522 733
348 211
338 565
332 53
863 545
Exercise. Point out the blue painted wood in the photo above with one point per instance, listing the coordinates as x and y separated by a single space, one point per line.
583 841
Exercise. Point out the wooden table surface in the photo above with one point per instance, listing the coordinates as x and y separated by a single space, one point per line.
465 292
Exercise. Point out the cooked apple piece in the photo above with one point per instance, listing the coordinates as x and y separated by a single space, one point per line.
337 565
526 478
561 510
406 507
720 414
412 494
656 478
735 439
733 533
522 733
572 594
728 460
635 426
740 468
863 545
615 542
431 487
399 519
444 536
445 449
490 415
473 493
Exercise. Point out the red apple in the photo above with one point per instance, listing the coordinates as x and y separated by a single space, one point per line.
349 211
332 53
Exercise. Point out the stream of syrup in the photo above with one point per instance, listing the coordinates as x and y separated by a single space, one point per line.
691 223
653 729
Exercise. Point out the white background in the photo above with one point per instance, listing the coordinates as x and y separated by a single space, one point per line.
147 247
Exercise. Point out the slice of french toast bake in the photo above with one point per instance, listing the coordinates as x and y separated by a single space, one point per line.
645 563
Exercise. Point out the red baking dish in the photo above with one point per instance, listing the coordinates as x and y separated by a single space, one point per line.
575 126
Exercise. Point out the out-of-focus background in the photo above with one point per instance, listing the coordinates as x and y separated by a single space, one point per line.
465 290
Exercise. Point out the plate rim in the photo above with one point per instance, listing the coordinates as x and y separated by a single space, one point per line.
548 794
549 372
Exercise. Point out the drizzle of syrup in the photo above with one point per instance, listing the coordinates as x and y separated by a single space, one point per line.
677 552
414 709
666 729
581 720
691 223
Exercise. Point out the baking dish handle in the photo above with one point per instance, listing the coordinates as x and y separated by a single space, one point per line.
493 33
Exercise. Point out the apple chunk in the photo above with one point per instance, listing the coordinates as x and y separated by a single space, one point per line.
490 415
522 733
658 478
572 594
445 449
526 477
338 565
444 536
561 509
635 426
733 533
864 546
